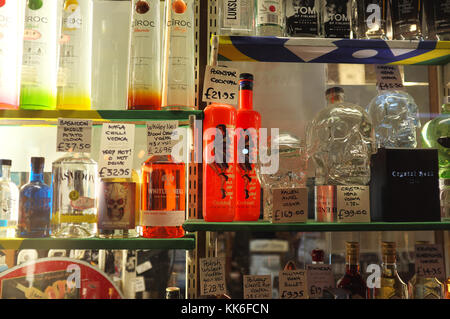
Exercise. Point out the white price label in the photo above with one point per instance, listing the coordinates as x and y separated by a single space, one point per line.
143 267
388 77
292 284
290 205
212 276
139 284
74 135
257 287
221 85
161 137
353 204
429 261
319 277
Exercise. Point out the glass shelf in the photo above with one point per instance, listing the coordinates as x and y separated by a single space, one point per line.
193 225
315 50
184 243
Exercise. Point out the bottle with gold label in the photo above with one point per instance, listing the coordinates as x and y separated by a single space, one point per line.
391 285
352 281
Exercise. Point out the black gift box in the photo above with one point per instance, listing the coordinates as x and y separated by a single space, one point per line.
404 185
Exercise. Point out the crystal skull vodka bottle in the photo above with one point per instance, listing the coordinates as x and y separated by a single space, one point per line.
369 19
236 17
437 21
75 196
303 18
336 18
269 17
406 18
9 201
144 74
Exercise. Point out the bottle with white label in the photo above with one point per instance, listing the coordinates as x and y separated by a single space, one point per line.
11 35
39 64
336 18
303 18
369 19
269 15
144 67
75 52
178 91
236 17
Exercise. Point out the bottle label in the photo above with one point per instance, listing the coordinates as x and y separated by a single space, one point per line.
6 208
117 206
161 218
336 17
270 12
232 13
302 18
441 15
406 11
34 213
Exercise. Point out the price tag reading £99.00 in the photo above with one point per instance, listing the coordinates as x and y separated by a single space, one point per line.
221 85
353 204
290 205
74 135
212 276
388 77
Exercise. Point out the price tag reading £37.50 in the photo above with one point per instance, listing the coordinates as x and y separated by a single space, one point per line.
74 135
221 85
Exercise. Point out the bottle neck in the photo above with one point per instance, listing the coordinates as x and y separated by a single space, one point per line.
352 264
37 175
6 172
246 99
335 98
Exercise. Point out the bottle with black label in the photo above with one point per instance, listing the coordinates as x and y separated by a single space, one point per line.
406 19
303 18
437 14
336 18
369 19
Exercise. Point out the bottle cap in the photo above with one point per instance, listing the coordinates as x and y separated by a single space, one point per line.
317 255
388 250
37 163
5 162
334 94
246 76
246 81
173 293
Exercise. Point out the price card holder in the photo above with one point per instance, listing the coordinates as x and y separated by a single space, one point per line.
221 85
290 205
429 261
292 284
212 276
74 135
319 277
388 77
161 137
116 150
257 287
353 204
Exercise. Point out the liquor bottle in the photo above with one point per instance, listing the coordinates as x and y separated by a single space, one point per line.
336 18
163 197
173 293
437 21
178 88
35 200
118 209
317 256
391 285
9 201
144 74
74 72
447 289
303 18
406 18
269 17
236 17
11 42
369 19
352 279
219 167
39 65
248 123
75 196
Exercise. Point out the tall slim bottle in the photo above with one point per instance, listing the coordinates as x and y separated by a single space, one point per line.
144 74
248 123
369 19
9 201
219 167
11 42
39 65
75 56
352 280
406 19
178 91
35 203
336 18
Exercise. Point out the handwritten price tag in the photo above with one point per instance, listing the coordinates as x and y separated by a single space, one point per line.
212 276
257 287
74 135
353 204
221 85
430 261
290 205
388 77
161 137
292 284
319 277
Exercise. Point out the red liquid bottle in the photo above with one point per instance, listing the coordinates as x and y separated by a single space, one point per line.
352 281
219 168
248 123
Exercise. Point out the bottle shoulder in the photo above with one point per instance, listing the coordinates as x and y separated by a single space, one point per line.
75 158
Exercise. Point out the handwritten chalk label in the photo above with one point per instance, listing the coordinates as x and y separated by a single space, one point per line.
353 204
161 137
292 284
116 150
290 205
388 77
430 261
221 85
139 284
74 135
212 276
319 277
257 287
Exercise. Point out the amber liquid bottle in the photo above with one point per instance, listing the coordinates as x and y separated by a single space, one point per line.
352 280
163 197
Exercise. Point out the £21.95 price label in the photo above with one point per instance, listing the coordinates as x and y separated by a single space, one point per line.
221 85
74 135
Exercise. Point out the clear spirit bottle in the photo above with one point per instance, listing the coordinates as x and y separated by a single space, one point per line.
75 196
406 19
9 202
35 200
269 17
352 281
369 19
336 18
303 18
437 21
236 17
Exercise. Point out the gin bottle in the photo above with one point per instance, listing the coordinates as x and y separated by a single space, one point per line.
369 19
75 196
35 200
9 202
437 13
406 19
236 17
303 18
336 18
352 280
269 16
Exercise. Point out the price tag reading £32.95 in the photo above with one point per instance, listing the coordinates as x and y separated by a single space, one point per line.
221 85
74 135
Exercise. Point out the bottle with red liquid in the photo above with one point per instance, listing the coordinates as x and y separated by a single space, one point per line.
219 167
248 123
352 281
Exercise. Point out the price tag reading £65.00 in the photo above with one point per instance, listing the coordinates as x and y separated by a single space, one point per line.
74 135
221 85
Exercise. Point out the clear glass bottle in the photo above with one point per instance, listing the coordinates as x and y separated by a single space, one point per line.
352 280
163 197
236 17
118 209
336 18
369 19
35 203
9 201
437 21
391 285
303 18
269 17
406 18
75 196
178 87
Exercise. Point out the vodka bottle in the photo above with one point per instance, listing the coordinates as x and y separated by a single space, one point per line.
269 17
303 18
236 17
336 18
75 196
178 92
437 14
369 19
144 74
74 73
406 19
9 201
